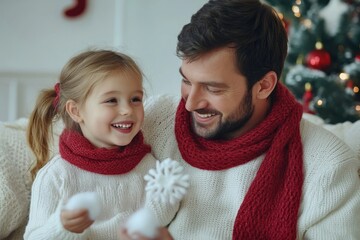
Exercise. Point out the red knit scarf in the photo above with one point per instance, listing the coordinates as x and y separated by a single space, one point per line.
270 207
77 150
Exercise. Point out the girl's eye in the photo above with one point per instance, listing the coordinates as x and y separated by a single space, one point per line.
136 99
112 100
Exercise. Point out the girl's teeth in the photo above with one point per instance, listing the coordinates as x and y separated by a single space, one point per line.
122 125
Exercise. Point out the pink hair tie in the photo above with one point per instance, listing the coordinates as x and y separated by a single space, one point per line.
57 90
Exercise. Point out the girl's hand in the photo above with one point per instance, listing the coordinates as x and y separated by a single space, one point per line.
76 221
163 235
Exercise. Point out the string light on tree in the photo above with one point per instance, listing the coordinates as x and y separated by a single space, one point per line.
344 76
320 102
356 89
296 8
357 108
307 23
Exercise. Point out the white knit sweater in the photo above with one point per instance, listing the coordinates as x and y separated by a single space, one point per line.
120 194
330 206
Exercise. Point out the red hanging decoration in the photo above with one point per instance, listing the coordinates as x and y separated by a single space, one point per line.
307 98
357 58
76 10
318 59
349 87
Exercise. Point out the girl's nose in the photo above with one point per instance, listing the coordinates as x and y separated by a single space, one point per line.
125 109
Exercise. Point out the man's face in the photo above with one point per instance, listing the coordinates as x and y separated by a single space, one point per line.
216 95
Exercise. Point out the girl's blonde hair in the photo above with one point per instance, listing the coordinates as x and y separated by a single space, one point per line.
77 79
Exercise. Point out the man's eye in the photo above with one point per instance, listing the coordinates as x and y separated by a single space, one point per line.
214 90
186 82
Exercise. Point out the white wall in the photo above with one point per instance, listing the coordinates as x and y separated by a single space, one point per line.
151 28
36 40
35 36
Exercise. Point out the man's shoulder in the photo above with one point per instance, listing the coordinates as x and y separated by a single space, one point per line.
161 101
159 118
323 148
160 108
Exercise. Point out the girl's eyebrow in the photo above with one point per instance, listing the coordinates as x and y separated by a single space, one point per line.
112 92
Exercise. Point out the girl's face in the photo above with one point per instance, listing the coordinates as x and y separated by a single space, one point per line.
113 113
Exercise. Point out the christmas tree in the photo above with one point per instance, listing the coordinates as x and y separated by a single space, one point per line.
323 64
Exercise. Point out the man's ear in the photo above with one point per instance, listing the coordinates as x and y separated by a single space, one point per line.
266 85
73 109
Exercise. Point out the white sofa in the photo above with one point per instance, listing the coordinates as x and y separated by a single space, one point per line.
16 159
347 131
15 181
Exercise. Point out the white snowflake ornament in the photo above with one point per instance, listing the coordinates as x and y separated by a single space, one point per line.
167 183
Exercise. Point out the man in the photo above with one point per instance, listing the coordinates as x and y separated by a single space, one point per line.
257 170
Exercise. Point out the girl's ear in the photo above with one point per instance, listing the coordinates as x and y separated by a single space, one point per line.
266 85
72 108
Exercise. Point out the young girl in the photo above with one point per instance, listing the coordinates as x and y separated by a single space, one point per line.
99 99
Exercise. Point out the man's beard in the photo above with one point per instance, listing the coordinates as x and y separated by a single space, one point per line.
234 122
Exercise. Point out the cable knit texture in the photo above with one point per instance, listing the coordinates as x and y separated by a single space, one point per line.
330 202
77 150
270 207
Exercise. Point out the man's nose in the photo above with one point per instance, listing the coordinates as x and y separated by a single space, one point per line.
195 99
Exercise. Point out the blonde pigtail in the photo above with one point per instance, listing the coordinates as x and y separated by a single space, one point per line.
39 131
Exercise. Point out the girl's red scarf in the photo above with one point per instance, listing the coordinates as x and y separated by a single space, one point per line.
270 207
77 150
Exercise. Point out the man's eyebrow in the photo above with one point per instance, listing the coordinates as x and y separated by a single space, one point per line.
207 83
181 73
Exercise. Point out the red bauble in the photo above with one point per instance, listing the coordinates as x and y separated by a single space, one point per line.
318 59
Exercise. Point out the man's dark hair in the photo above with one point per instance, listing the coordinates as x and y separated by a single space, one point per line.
251 27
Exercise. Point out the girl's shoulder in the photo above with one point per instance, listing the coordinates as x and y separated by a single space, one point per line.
57 167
